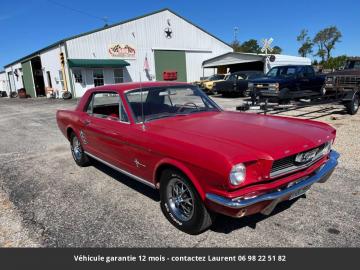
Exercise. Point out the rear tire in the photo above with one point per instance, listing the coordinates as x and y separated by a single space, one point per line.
353 106
77 151
182 205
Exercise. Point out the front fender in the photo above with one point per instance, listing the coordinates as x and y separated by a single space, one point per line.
183 168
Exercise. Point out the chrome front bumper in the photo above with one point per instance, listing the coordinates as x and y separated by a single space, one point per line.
320 176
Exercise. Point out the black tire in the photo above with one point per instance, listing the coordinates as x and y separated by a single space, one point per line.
77 151
200 218
353 106
14 95
284 96
67 95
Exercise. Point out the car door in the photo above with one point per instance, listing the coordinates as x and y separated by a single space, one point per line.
314 83
104 130
303 79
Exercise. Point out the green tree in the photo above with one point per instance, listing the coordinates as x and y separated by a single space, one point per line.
326 40
276 50
250 46
335 62
236 46
306 47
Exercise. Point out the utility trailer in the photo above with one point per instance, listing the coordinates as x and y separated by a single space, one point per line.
350 99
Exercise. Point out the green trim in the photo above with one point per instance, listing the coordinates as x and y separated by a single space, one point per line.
107 27
97 63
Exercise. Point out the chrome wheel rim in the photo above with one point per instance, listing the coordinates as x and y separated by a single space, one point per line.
76 148
180 199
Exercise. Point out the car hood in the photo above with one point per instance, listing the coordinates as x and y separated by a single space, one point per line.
237 134
270 80
345 72
212 82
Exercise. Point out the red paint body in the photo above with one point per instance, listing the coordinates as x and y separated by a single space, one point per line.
204 146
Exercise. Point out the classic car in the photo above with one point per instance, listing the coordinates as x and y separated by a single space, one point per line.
346 84
289 82
202 80
214 77
236 83
203 160
207 86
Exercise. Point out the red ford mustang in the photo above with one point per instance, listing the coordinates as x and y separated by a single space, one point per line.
172 137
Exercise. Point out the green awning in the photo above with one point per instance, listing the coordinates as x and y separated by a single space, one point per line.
97 63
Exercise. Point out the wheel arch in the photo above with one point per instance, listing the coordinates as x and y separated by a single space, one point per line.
69 130
176 165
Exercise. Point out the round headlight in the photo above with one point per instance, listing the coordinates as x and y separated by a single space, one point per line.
327 148
237 174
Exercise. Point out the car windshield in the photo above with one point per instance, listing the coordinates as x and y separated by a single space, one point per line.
155 103
352 65
216 77
282 72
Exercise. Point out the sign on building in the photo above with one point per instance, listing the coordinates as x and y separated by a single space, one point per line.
122 51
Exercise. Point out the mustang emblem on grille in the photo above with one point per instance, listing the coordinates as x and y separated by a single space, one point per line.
306 157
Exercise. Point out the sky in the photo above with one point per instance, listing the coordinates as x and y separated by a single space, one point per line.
26 26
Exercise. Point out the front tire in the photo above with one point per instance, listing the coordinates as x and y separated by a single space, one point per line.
182 205
77 151
353 106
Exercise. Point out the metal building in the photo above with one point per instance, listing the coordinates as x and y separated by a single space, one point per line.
236 61
140 48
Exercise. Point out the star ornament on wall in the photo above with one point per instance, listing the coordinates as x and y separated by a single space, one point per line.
168 32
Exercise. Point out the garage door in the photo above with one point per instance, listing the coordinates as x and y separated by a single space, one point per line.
28 78
170 60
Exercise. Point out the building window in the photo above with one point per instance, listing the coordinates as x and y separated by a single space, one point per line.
98 75
78 76
118 75
61 79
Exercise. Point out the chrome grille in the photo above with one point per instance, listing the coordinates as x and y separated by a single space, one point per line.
288 164
348 80
261 86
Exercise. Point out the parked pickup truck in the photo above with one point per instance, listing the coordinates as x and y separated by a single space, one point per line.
346 84
288 82
236 83
172 137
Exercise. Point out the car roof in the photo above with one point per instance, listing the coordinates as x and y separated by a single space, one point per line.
122 87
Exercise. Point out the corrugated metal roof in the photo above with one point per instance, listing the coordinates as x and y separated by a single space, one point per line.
107 27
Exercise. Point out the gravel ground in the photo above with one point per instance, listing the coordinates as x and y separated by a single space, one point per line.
46 200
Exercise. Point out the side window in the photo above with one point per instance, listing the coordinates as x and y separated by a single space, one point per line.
308 72
107 105
90 105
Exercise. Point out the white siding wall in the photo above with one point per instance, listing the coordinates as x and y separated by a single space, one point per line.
15 82
50 61
4 83
146 35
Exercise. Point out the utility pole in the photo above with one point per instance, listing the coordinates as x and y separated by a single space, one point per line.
236 31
